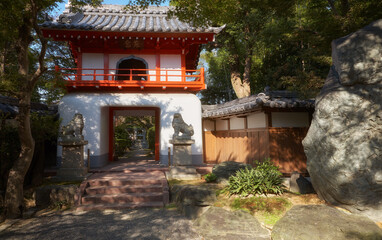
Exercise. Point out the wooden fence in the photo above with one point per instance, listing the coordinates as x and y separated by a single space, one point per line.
282 145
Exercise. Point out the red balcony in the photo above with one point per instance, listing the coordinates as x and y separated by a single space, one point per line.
133 79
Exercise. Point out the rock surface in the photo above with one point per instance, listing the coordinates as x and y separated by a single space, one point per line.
56 194
317 222
225 169
217 223
192 200
344 143
299 184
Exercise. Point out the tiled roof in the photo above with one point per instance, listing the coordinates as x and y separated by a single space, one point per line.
270 99
116 18
9 107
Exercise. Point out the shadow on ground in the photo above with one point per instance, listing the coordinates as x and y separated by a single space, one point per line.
108 224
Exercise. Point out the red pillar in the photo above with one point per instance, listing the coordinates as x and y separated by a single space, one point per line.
111 134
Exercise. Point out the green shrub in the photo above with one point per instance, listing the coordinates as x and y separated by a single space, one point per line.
210 177
265 178
122 140
150 136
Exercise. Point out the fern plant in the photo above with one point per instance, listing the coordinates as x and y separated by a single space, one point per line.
265 178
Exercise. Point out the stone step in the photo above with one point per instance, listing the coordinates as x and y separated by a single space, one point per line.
122 198
123 189
158 204
123 182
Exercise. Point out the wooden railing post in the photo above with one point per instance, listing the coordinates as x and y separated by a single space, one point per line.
202 75
191 80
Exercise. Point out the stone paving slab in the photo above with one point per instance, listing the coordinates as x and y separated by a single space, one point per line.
107 224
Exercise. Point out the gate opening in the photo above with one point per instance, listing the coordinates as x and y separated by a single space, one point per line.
133 128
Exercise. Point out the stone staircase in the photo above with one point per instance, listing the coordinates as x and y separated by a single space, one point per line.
127 189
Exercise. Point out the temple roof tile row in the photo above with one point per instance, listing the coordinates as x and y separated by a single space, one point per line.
116 18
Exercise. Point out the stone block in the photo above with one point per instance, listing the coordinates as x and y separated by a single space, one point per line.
183 173
192 200
217 223
299 184
182 152
316 222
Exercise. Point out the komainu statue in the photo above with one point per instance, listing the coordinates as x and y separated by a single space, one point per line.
181 127
73 130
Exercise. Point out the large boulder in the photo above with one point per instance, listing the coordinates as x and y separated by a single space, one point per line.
192 200
317 222
344 142
217 223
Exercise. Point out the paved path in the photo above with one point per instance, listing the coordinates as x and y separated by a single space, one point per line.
107 224
138 160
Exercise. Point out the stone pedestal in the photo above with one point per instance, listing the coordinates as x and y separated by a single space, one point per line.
182 152
182 161
72 165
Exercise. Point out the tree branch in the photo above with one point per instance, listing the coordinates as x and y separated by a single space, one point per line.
334 9
44 43
10 92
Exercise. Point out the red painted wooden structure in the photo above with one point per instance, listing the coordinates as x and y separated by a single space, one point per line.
111 29
191 80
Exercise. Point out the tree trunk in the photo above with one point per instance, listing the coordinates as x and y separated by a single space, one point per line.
242 87
14 196
36 170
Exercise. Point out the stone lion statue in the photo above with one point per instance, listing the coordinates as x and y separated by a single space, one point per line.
181 127
73 130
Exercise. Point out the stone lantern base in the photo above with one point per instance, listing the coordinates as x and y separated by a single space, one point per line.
182 161
72 165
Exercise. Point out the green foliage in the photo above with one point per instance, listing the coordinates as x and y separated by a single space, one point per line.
210 177
218 78
265 178
123 132
289 41
267 209
9 149
44 128
150 136
266 204
122 140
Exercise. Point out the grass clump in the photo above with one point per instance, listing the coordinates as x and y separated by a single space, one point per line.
210 177
267 209
265 178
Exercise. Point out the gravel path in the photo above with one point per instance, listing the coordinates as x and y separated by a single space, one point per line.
107 224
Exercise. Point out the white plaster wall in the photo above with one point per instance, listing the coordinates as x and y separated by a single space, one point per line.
150 59
236 123
171 62
290 119
221 124
208 125
94 108
257 120
93 61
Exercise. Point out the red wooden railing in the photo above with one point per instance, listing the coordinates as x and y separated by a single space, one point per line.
192 80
